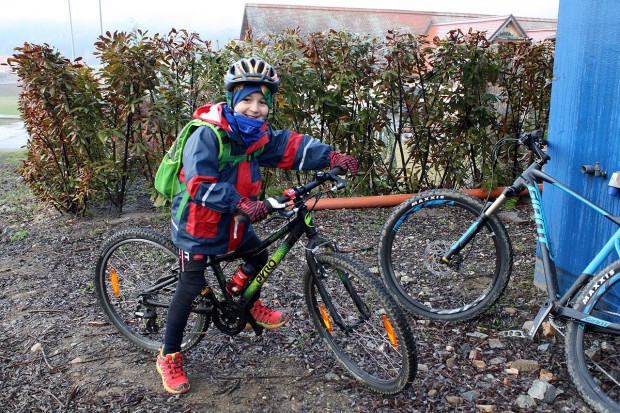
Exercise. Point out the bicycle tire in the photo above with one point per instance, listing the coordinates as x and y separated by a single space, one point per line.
593 356
138 257
366 351
413 238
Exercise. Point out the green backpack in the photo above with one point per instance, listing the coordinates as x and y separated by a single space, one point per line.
167 177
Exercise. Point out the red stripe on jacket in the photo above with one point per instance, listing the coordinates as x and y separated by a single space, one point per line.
194 183
291 149
244 184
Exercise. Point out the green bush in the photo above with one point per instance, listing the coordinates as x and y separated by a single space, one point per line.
417 113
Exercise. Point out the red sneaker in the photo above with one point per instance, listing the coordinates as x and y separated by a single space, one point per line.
266 317
170 368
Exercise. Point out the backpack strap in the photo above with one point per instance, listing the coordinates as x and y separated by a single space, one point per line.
224 156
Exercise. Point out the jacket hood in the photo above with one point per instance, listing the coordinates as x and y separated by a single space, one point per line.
213 113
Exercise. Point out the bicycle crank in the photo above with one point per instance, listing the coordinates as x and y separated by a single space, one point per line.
229 318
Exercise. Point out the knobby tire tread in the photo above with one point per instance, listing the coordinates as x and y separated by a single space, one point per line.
110 245
408 369
575 353
503 252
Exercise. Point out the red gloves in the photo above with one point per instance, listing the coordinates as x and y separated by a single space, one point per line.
346 162
253 210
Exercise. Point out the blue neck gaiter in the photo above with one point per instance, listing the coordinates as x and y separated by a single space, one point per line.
248 129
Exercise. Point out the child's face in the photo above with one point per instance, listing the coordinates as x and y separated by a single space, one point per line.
253 106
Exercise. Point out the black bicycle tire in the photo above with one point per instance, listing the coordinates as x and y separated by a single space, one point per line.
149 238
576 354
503 256
406 340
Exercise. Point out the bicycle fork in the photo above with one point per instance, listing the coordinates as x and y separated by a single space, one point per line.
477 225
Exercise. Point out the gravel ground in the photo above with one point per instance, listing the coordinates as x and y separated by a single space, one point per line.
59 354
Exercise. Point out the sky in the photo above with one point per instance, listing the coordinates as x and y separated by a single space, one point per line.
51 21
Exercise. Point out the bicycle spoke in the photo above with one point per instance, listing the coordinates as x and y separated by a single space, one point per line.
376 346
415 238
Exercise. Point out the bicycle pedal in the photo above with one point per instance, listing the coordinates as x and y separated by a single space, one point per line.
512 334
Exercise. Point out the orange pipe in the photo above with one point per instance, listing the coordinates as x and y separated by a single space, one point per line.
388 200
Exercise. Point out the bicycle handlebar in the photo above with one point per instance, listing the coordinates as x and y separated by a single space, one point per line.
535 142
299 192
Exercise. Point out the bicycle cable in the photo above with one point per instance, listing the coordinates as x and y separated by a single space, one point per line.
496 149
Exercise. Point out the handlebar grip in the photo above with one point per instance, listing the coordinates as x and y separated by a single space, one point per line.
537 134
273 205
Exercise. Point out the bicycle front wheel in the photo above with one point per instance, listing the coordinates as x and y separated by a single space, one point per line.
361 324
135 279
419 232
593 353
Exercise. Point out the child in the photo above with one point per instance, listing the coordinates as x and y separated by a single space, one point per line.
215 193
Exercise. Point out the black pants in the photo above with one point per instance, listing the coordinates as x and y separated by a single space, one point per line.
191 283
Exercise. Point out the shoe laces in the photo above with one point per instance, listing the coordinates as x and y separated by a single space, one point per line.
263 310
174 365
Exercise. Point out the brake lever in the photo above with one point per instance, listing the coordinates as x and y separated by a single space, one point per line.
285 215
340 183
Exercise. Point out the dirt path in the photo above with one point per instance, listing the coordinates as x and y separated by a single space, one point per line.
58 353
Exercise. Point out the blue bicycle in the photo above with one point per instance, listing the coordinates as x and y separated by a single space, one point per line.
446 256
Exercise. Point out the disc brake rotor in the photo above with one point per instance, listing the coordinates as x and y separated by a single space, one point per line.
434 252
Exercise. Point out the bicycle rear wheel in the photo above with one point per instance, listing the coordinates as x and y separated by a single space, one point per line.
419 232
371 339
132 261
592 353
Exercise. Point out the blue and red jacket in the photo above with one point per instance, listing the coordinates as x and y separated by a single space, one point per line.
206 225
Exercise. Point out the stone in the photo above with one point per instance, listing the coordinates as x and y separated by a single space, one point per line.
594 353
478 334
486 407
546 376
510 310
548 329
525 366
475 354
525 402
36 347
479 364
511 216
332 377
432 393
470 395
496 343
514 372
542 391
497 360
454 399
422 367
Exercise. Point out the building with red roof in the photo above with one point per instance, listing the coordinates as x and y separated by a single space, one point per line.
264 19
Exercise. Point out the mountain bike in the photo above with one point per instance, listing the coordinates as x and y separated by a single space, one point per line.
446 256
351 310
